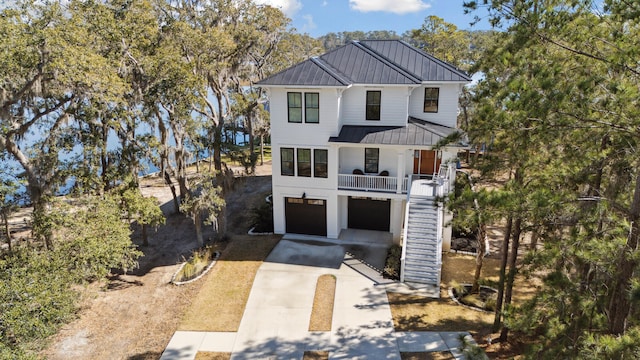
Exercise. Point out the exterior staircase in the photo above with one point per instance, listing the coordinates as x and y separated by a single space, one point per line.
422 246
422 250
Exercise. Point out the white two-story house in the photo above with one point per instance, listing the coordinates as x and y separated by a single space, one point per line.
354 135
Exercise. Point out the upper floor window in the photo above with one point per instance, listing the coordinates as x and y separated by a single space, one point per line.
311 107
373 105
294 104
286 161
371 160
320 163
304 162
431 100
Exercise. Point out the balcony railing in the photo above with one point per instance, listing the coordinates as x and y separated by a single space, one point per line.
371 183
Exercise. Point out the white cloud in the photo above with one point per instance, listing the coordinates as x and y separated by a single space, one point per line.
288 7
325 3
308 23
393 6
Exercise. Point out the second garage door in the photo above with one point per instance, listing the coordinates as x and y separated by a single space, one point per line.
369 214
306 216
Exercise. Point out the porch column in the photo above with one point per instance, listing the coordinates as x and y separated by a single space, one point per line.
334 166
400 170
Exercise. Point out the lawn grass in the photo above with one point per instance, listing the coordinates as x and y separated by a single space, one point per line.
206 355
322 311
315 355
437 355
221 301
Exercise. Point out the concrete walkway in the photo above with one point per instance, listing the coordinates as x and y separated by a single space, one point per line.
276 319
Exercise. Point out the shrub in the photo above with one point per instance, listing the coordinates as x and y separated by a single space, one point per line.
392 263
262 217
196 264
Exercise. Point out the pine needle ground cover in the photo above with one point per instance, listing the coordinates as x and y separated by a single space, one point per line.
417 313
220 303
322 311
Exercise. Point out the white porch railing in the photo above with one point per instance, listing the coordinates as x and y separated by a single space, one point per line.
371 183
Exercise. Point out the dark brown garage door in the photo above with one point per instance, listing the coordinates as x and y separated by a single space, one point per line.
306 216
369 214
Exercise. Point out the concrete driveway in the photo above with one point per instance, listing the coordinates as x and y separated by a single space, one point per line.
276 319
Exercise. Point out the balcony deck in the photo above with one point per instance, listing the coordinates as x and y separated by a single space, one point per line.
388 184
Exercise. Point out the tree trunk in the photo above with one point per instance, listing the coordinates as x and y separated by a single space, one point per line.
104 160
164 145
217 148
197 220
620 304
482 249
504 256
145 238
176 203
5 221
508 291
261 149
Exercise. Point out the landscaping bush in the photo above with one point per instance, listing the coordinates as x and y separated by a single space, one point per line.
262 218
196 264
392 263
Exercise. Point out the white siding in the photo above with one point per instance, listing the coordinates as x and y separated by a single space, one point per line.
393 106
447 104
303 133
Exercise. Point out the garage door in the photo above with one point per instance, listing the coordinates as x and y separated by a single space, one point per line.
306 216
369 214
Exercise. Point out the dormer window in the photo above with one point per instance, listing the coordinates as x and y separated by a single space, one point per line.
373 105
431 100
311 107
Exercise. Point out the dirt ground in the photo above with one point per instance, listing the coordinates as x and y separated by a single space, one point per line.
133 316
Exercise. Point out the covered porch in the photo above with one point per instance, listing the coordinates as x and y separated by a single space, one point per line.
387 159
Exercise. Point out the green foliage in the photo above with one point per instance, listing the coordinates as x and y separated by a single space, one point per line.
204 203
37 292
262 217
196 264
36 297
392 263
97 239
556 104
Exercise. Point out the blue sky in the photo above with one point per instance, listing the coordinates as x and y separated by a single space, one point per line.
318 17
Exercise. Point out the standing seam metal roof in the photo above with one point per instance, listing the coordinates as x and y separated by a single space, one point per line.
368 62
417 132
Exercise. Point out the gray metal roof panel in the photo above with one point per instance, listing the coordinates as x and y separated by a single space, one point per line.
381 62
308 72
416 61
417 132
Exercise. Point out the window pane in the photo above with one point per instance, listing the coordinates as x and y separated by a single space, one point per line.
304 162
371 157
373 105
286 161
320 163
294 104
431 99
312 108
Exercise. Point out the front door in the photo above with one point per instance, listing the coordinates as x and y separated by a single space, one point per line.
426 162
